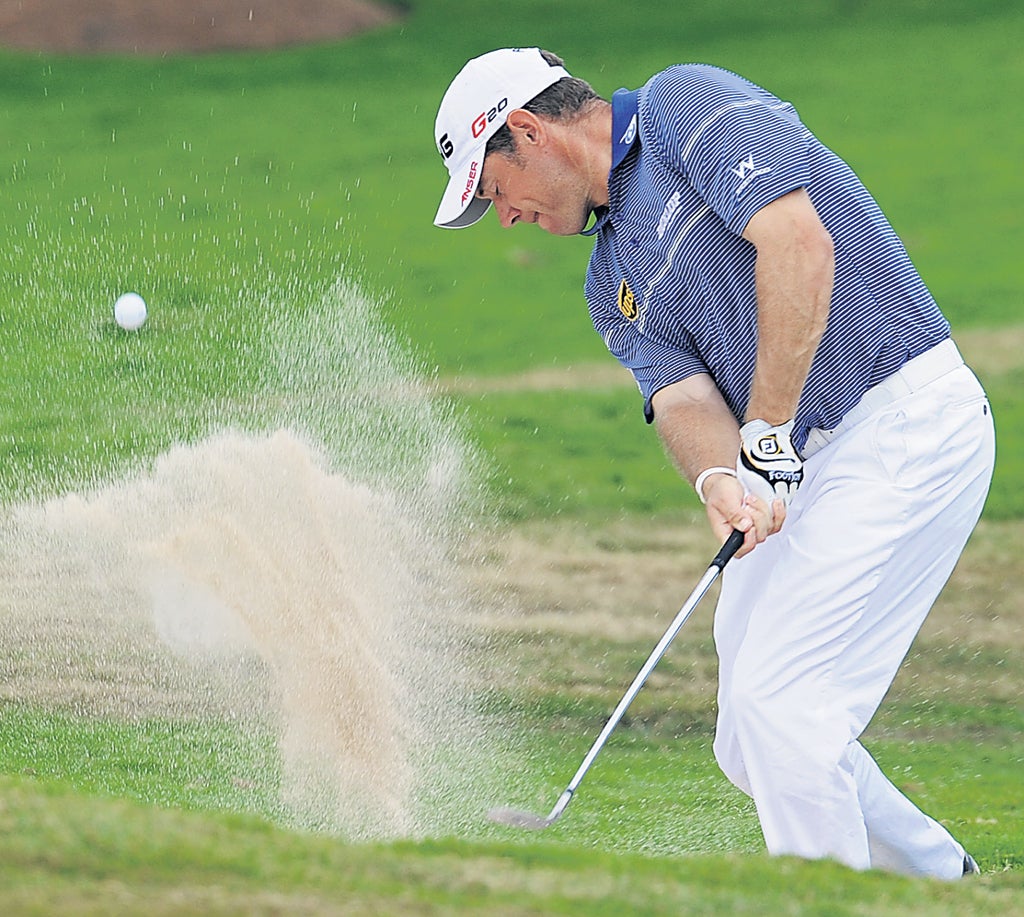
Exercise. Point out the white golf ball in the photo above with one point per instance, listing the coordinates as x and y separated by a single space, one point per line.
130 311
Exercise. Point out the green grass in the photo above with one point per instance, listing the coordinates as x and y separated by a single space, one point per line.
231 190
215 185
193 765
237 865
548 442
655 829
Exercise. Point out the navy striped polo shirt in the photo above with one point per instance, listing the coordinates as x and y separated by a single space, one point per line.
670 286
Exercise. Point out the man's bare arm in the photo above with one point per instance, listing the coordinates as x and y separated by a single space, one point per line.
700 432
794 275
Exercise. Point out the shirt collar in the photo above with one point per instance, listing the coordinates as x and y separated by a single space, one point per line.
624 134
624 123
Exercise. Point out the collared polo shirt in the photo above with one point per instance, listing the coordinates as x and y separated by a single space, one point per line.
697 152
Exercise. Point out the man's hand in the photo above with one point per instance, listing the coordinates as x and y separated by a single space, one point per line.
700 433
728 508
768 465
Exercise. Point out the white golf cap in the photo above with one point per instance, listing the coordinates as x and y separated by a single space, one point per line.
473 109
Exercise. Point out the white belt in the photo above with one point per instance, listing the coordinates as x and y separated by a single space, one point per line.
913 375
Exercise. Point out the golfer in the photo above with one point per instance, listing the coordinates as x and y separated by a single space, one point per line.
800 375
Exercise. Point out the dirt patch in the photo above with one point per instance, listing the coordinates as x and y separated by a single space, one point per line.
625 581
159 27
578 377
999 351
581 608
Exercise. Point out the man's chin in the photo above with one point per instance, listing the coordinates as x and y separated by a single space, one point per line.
563 228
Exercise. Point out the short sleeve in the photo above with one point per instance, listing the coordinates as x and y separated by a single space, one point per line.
653 365
738 145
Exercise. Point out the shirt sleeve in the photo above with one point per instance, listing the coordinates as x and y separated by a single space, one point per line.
739 146
653 365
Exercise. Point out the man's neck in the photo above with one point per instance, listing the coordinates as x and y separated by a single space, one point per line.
593 135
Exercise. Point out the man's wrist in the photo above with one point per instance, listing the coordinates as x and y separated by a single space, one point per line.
698 484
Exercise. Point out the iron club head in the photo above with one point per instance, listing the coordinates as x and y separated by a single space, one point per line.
517 818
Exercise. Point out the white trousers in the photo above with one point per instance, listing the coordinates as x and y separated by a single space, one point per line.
812 626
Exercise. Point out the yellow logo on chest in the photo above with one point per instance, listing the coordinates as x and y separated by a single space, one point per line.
627 301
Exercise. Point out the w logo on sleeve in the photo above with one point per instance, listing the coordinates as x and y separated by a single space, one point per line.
746 172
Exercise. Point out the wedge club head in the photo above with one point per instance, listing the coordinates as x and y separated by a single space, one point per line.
518 818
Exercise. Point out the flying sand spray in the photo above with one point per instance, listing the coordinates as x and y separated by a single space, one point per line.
291 572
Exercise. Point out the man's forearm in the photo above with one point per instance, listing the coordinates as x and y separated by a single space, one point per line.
696 427
700 434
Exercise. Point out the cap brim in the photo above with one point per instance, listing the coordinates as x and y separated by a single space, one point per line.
460 207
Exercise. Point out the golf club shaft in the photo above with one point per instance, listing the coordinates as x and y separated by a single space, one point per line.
728 549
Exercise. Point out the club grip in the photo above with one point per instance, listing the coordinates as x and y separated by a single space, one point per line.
731 546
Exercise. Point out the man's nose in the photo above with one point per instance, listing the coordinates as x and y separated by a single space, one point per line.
507 214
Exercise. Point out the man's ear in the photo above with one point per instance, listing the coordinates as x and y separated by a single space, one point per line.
526 127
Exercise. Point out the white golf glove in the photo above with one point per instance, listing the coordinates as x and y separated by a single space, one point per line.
769 466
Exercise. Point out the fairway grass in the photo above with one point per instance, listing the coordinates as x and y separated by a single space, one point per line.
63 852
132 816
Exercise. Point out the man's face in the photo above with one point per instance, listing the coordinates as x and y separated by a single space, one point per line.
537 186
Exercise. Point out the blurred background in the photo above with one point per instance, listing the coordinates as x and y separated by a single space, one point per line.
220 155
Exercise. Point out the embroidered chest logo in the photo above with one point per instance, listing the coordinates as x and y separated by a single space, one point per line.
627 301
746 172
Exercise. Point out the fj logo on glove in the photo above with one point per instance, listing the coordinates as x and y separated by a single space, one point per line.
768 465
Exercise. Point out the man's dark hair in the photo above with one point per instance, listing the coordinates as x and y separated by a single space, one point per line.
560 101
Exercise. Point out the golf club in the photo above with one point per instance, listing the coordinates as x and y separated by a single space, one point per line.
516 818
